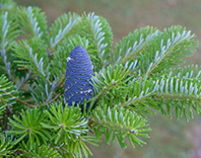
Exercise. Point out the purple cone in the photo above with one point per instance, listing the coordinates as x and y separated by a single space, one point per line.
79 70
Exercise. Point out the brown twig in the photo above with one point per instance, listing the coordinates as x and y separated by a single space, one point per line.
30 105
24 68
19 99
53 99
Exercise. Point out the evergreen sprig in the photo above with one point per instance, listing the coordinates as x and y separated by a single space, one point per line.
9 33
66 123
62 27
33 22
39 151
175 44
120 124
6 146
28 126
140 75
7 91
102 36
133 44
32 56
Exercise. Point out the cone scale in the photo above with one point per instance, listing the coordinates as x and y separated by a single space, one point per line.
79 70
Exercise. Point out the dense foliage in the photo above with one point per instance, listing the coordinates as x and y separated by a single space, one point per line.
139 76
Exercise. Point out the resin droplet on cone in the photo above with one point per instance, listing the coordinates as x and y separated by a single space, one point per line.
79 70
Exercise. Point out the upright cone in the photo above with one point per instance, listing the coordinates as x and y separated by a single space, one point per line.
79 70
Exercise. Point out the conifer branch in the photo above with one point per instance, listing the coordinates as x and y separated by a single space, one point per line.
138 77
120 124
7 37
61 28
173 45
101 35
132 45
33 22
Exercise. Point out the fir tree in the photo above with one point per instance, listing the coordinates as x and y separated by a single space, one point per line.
139 76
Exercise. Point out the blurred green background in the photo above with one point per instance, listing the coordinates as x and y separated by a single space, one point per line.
170 138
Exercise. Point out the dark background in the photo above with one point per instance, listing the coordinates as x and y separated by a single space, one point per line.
170 138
